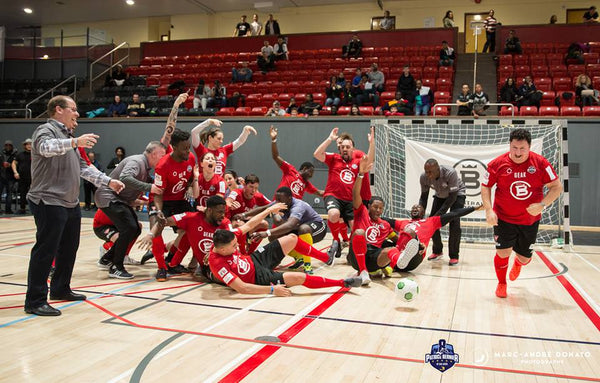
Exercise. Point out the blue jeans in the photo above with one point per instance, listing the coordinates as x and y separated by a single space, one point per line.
422 110
335 101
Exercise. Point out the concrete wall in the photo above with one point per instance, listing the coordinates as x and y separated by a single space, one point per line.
298 140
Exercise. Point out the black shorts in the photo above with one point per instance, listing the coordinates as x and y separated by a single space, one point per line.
345 207
171 208
370 258
318 230
265 259
518 237
105 232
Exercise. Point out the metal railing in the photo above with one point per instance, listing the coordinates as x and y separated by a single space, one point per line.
50 91
26 110
512 107
111 66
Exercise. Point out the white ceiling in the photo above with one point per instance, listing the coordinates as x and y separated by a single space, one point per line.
75 11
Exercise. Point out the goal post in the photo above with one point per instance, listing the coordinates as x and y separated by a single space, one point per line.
403 146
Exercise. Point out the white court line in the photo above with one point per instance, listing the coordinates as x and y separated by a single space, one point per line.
14 255
588 262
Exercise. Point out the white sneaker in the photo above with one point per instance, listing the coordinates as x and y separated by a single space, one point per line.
130 261
364 275
410 251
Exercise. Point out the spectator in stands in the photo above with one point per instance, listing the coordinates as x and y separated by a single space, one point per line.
255 26
341 80
423 99
294 112
267 48
137 107
275 110
448 20
7 176
528 93
265 62
355 111
292 105
315 112
119 155
481 101
333 92
218 95
574 54
118 77
201 95
490 25
369 93
553 19
280 50
509 92
393 111
237 99
512 45
377 78
590 16
447 55
21 167
272 27
243 74
406 84
309 105
349 93
357 78
88 188
464 101
585 94
118 108
354 47
387 23
401 103
242 29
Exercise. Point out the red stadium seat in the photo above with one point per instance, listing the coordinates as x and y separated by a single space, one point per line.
508 110
226 111
558 70
593 70
366 110
522 71
591 111
543 83
505 60
575 70
443 84
253 100
562 83
548 98
591 58
528 111
545 48
258 111
570 111
539 71
537 59
446 72
326 111
554 59
343 110
430 82
300 98
284 98
242 111
519 60
549 111
440 111
387 96
441 97
566 101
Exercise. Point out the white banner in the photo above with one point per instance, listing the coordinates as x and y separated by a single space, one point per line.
470 162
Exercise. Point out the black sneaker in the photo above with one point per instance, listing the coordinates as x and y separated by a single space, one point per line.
146 257
353 282
331 259
104 264
161 275
334 249
177 270
298 264
119 274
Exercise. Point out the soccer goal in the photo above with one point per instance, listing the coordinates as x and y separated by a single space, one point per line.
403 146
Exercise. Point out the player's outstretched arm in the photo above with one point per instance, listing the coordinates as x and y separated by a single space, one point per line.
274 150
243 137
364 167
145 243
490 216
250 288
200 127
258 218
172 120
371 151
319 153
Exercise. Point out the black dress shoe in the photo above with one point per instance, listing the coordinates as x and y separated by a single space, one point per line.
44 310
70 296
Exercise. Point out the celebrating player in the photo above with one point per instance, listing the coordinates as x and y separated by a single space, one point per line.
209 183
520 176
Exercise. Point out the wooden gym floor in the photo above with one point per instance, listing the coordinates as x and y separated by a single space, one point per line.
547 330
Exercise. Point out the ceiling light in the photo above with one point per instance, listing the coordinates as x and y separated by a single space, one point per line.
27 10
130 2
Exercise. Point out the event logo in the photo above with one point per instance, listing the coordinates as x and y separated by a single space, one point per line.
242 265
178 188
205 245
442 356
520 190
297 186
471 172
347 176
372 234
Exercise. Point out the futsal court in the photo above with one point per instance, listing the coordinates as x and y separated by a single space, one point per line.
547 330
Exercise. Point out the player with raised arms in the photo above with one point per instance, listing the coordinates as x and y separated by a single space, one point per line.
520 177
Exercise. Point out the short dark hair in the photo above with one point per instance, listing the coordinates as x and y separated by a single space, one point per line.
444 42
222 237
520 134
431 161
286 191
376 198
252 179
55 101
179 136
307 165
215 200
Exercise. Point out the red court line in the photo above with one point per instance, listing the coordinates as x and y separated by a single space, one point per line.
333 351
579 299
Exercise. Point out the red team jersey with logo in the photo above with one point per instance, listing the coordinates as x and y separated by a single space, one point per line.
237 265
173 177
423 227
518 186
216 185
101 219
247 204
292 179
221 155
199 231
375 231
340 177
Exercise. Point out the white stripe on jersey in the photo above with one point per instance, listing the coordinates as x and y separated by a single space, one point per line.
550 172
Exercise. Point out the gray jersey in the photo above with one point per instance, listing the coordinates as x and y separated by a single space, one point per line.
135 166
448 182
302 211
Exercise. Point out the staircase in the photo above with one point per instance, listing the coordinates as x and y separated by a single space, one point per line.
486 74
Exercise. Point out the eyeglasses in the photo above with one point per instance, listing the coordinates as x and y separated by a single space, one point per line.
73 109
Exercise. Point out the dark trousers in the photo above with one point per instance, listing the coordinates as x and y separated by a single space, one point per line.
6 185
453 229
57 237
88 192
490 42
24 184
126 222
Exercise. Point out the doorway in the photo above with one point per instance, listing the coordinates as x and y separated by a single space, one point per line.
473 24
575 16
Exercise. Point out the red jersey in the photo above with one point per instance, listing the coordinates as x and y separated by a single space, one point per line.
518 186
173 177
101 219
423 227
216 185
221 155
375 231
247 204
341 176
292 179
228 268
199 231
365 187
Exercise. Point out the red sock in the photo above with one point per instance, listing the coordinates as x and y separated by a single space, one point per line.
359 247
393 255
107 245
182 249
130 246
333 227
518 261
306 249
343 230
54 262
316 282
158 249
501 265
